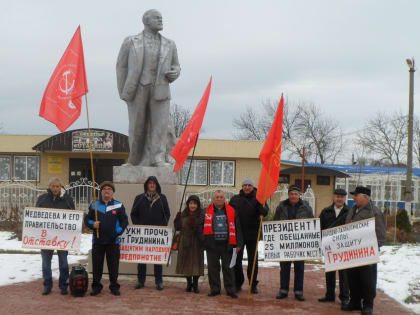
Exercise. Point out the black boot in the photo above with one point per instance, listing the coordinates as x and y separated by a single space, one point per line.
189 284
195 284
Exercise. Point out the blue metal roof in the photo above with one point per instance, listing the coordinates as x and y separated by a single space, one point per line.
356 169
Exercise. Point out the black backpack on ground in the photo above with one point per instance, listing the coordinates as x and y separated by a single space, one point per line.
78 280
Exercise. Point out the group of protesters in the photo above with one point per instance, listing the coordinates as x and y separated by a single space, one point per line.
221 229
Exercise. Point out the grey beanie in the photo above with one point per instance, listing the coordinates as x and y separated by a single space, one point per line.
248 181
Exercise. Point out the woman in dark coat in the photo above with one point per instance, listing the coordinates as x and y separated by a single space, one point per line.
190 261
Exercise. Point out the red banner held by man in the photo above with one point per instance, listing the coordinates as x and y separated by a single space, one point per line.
62 100
191 132
270 157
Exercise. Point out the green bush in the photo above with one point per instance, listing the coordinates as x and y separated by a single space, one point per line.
403 222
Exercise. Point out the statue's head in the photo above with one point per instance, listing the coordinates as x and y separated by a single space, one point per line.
152 20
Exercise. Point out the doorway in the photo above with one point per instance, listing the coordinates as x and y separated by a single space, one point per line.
80 168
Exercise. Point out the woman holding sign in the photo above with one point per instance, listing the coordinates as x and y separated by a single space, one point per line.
190 261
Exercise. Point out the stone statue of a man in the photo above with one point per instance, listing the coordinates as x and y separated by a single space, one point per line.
146 64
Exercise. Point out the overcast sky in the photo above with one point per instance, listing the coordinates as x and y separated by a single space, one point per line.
348 57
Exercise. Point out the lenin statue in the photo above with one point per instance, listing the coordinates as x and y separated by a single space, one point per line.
146 64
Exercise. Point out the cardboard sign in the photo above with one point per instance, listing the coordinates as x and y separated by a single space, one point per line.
145 244
45 228
292 240
350 245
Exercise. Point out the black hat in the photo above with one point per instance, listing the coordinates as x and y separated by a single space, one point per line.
361 190
294 188
107 184
340 191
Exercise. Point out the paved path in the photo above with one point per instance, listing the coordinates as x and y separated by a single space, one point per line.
26 298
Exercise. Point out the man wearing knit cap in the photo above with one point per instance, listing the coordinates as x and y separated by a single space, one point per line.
290 209
111 223
249 210
330 217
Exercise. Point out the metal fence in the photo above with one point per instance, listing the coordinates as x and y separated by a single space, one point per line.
279 195
387 192
21 195
82 193
17 195
282 194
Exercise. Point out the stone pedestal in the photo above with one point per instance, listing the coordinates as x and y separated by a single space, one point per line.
129 174
129 182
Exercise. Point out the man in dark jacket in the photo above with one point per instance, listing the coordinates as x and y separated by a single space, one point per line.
111 223
150 208
330 217
56 199
222 234
362 280
249 210
290 209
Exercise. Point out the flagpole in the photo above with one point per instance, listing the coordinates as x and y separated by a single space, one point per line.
259 228
91 166
183 194
303 171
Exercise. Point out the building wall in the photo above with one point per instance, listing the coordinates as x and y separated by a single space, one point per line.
45 170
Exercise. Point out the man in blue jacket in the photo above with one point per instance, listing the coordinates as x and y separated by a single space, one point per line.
111 223
150 208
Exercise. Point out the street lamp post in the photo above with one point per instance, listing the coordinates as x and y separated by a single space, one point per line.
408 180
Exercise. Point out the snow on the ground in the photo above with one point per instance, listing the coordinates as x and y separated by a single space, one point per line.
399 274
14 245
27 267
398 271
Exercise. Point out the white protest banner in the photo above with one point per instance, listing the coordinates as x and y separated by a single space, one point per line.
292 240
45 228
350 245
145 244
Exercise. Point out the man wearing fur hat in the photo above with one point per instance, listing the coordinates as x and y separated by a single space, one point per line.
362 280
290 209
249 210
110 223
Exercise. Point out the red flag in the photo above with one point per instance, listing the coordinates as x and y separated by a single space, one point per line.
190 134
270 157
62 100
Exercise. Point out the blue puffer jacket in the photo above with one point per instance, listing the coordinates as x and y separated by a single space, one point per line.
113 221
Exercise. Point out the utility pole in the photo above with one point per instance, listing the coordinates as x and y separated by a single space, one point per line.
408 188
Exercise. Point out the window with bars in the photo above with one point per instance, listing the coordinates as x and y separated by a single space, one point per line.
5 167
26 168
198 172
222 173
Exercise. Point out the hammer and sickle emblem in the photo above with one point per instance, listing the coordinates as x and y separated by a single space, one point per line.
67 88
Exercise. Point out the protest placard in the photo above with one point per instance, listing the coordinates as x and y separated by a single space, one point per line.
145 244
350 245
45 228
292 240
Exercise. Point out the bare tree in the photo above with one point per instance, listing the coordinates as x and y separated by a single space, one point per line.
180 116
304 125
385 136
321 136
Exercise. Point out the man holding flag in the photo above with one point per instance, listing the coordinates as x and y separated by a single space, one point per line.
270 171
